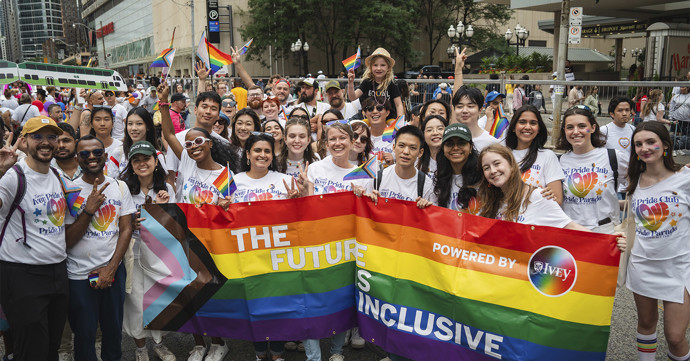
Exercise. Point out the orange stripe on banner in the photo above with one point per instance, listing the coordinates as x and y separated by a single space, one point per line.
305 233
592 278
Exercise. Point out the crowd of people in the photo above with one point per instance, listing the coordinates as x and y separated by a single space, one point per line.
67 271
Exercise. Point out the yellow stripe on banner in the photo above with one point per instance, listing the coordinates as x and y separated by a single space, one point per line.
307 258
489 288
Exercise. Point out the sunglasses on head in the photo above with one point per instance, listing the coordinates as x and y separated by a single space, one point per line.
580 106
189 144
262 133
371 108
85 154
341 121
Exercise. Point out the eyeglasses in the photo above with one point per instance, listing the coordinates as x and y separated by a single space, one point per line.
362 138
220 121
303 117
52 138
580 106
85 154
189 144
109 94
229 104
371 108
257 95
262 133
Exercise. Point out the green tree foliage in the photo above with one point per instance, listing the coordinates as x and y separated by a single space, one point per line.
332 26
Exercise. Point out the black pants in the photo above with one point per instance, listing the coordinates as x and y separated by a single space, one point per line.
35 301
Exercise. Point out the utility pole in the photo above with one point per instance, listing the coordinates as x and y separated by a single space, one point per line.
105 59
191 72
562 55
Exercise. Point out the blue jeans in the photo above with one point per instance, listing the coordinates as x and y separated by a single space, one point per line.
313 348
261 348
89 308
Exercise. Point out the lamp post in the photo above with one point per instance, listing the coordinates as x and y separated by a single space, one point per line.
635 54
88 39
299 50
521 35
459 36
54 51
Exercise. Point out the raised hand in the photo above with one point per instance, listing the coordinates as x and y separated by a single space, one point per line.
8 154
351 76
96 198
235 54
303 179
163 92
460 57
162 197
292 191
201 70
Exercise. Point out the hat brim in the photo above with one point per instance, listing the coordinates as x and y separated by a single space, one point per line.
54 128
370 58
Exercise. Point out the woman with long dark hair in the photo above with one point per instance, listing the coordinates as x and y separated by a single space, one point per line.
659 265
526 137
297 150
433 127
361 150
457 174
244 123
273 126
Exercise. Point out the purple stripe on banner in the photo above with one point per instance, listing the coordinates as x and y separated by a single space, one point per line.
283 329
408 345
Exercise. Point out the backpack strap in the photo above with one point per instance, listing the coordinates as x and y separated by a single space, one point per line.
21 191
379 178
421 177
613 162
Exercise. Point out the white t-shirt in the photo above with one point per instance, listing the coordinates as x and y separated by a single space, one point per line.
455 185
381 145
293 166
350 109
171 160
328 177
589 194
482 122
119 122
540 212
652 113
661 218
320 108
138 200
619 139
484 140
97 246
392 186
269 187
196 185
116 156
45 208
545 169
25 112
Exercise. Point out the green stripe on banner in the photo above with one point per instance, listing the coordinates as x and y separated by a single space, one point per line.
288 283
493 318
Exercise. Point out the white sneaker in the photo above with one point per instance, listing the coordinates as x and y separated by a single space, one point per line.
217 352
65 356
356 341
347 337
336 357
142 354
163 353
197 353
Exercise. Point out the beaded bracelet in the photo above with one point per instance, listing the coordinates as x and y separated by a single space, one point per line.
163 104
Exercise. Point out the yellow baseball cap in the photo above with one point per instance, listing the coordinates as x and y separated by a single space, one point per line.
35 124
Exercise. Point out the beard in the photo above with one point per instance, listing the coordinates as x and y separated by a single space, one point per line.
254 104
336 103
67 157
304 98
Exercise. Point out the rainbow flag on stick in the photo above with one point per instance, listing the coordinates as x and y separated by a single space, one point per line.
429 284
354 61
226 182
364 171
212 57
391 129
500 123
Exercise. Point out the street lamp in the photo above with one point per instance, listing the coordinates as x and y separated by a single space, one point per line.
636 53
521 35
300 50
459 36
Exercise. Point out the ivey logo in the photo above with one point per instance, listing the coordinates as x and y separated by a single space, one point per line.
552 271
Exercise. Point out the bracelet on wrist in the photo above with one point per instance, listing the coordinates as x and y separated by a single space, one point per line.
163 104
88 213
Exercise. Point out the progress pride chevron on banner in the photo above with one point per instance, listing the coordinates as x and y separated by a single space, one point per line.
424 284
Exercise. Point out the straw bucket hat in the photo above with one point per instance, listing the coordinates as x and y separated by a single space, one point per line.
379 52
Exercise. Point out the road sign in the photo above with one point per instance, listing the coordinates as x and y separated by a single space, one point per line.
574 34
576 16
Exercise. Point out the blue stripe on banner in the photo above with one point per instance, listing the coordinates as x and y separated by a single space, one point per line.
281 307
440 337
170 253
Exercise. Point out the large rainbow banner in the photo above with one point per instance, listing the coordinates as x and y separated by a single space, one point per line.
423 284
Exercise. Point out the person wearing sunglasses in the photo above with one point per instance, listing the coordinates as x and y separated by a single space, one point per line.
298 149
592 172
101 127
220 127
376 112
38 258
97 239
228 106
202 160
361 149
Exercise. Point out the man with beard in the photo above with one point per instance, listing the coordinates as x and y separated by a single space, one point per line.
279 86
307 98
65 160
97 239
255 97
334 95
32 257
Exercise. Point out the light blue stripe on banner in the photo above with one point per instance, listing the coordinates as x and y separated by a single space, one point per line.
168 251
281 307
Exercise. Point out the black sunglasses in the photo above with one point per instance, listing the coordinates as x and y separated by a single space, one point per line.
85 154
371 108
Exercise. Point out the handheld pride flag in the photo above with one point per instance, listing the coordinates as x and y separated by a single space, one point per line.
364 171
354 61
165 60
226 183
71 192
389 132
212 57
500 123
246 46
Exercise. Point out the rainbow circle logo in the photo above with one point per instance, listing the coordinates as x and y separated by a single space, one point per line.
552 271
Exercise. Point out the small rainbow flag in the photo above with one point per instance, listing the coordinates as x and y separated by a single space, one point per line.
364 171
500 124
212 57
165 59
354 61
246 46
225 183
389 133
76 205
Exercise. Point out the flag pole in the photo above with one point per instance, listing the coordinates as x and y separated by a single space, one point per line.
208 51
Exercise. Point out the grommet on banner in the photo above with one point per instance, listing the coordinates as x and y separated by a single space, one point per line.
334 332
266 338
249 203
532 228
321 196
459 214
386 200
372 340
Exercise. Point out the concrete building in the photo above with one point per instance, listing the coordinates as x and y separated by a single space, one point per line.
10 30
37 21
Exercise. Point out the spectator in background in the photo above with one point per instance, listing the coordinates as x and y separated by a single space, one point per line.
510 87
240 93
222 88
178 103
519 96
24 111
592 100
442 93
575 96
526 87
679 110
536 98
493 87
10 101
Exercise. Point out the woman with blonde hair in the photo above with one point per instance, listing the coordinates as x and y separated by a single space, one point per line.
654 108
377 81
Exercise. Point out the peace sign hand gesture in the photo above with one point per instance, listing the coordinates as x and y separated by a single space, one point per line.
96 198
8 154
292 190
303 182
